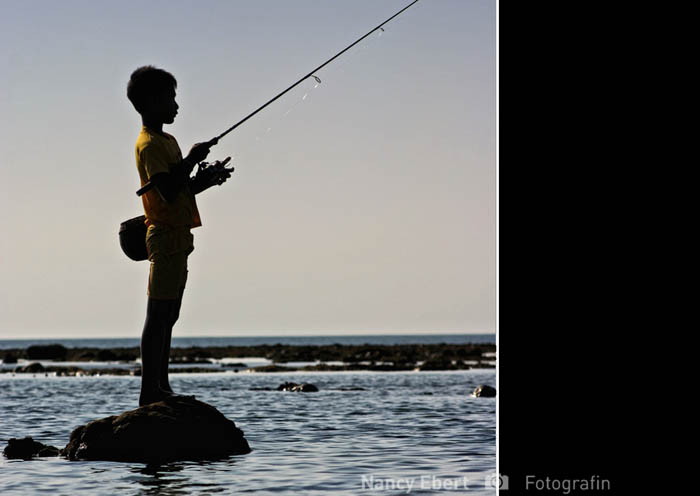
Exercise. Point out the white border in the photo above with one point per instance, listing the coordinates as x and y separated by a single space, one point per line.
498 347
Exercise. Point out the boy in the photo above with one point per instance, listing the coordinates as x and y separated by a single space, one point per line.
171 211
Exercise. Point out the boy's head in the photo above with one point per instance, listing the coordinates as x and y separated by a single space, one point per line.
152 92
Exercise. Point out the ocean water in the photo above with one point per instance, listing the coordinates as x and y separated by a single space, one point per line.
386 339
406 433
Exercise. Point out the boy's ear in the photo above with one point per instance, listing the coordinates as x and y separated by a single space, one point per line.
146 105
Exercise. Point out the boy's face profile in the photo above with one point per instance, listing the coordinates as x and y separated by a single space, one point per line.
163 107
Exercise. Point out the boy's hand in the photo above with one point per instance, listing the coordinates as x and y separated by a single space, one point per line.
199 151
214 174
222 173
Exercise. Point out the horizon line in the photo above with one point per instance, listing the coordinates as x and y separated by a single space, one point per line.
262 334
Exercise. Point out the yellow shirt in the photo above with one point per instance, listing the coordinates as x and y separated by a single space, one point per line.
156 152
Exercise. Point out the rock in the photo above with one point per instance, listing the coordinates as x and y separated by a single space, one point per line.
174 429
305 388
484 391
32 368
46 352
27 448
106 355
297 388
271 368
485 365
437 364
9 358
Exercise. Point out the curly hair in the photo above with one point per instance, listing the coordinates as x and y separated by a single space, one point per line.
145 83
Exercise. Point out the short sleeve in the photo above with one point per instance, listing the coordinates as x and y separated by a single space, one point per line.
154 160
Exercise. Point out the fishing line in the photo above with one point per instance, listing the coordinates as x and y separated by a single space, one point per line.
352 56
311 74
383 33
328 74
278 122
250 140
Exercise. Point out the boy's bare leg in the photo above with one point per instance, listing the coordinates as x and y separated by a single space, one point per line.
174 315
154 331
164 364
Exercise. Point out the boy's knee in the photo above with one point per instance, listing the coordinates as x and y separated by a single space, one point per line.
175 311
160 310
174 316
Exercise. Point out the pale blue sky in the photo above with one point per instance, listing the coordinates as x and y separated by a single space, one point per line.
364 205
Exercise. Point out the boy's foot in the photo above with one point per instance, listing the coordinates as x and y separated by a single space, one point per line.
172 393
148 397
175 396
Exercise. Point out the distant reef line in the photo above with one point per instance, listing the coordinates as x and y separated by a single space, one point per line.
438 356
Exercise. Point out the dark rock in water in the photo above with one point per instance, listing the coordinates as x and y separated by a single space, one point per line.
439 364
293 386
9 358
27 448
286 386
484 391
174 429
46 352
237 364
106 355
32 368
306 388
271 368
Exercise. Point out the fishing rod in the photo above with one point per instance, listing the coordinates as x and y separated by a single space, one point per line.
311 74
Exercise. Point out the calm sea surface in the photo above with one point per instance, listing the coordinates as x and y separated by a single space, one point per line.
407 432
270 340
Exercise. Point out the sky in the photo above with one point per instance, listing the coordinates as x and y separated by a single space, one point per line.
364 204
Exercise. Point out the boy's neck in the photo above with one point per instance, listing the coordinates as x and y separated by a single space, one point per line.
152 124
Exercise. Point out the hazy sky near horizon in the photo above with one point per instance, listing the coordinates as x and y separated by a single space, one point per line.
364 204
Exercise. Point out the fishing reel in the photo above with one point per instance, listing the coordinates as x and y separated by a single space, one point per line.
214 172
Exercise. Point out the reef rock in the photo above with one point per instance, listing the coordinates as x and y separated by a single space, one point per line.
180 428
47 352
32 368
27 448
9 358
297 388
484 391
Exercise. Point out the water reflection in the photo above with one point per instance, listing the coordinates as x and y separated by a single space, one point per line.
158 479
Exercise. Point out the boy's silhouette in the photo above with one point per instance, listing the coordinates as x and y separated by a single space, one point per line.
171 212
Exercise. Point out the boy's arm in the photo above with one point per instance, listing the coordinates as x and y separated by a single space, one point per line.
169 184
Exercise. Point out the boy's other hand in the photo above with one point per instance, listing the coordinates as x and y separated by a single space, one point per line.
213 174
225 173
220 172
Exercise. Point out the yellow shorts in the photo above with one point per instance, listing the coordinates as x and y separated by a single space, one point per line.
168 249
